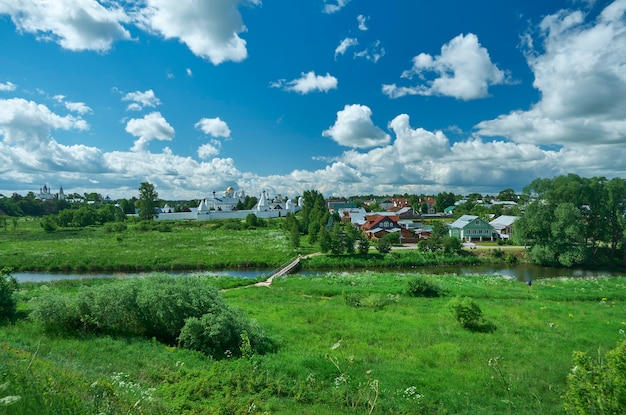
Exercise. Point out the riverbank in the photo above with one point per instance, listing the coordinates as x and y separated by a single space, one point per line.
388 352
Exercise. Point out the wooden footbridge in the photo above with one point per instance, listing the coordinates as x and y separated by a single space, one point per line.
287 268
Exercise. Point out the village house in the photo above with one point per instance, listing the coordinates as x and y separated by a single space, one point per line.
503 225
378 225
470 227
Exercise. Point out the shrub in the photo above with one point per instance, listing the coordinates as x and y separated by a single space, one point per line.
511 258
57 313
468 313
221 334
8 285
497 254
352 299
424 287
111 227
166 308
383 246
597 386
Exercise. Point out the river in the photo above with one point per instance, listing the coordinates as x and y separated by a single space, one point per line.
520 272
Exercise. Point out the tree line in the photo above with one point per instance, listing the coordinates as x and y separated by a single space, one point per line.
572 220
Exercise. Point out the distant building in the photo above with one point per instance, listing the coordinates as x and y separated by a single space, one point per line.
45 193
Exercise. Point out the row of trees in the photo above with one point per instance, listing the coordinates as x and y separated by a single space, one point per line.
573 220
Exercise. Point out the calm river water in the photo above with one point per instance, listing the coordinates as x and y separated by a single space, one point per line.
521 272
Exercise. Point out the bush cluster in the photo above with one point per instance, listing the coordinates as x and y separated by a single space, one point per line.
8 285
182 311
468 313
596 386
424 287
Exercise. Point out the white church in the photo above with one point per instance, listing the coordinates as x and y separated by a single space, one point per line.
225 207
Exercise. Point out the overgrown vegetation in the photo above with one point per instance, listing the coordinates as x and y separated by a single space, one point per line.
408 356
140 246
183 311
597 385
570 218
422 286
8 286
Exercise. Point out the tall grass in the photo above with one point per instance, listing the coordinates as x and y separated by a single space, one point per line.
397 259
185 246
407 356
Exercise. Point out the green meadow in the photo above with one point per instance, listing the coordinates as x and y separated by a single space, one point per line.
163 246
352 343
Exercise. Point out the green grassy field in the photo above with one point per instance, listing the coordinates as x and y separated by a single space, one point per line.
395 354
173 246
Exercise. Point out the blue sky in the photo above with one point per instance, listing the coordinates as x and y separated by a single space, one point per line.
346 97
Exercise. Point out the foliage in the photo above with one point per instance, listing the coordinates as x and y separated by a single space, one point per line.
422 286
161 307
313 215
8 286
147 201
571 217
362 395
596 386
324 239
292 226
252 220
468 313
383 246
363 245
444 200
48 223
92 374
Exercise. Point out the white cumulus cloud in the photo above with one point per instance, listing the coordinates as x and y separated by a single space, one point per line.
210 29
308 82
141 100
151 127
354 128
579 70
463 70
79 107
74 24
209 150
214 127
331 8
28 147
7 87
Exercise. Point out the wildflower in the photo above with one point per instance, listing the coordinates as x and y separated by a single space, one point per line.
336 345
570 315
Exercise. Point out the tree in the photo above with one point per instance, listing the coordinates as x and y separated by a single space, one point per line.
444 200
383 246
323 237
507 195
147 201
363 245
128 206
252 220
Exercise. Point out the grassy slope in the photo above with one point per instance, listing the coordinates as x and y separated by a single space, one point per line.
423 361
